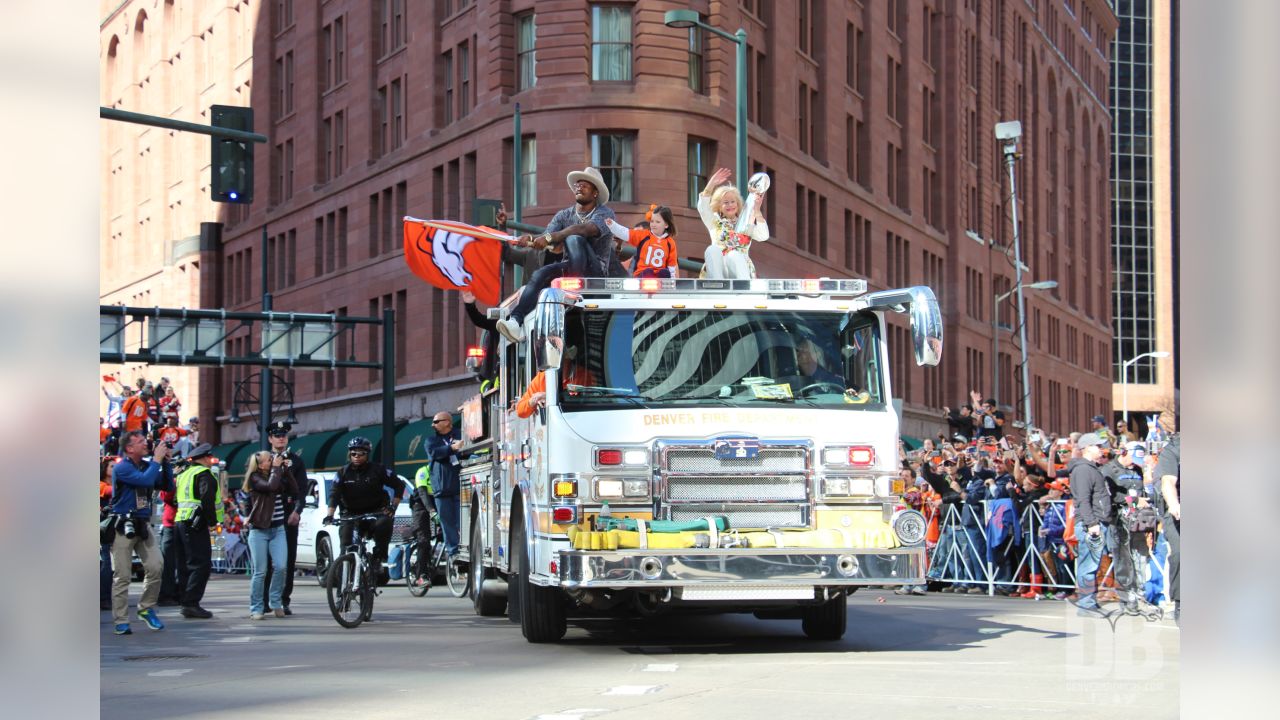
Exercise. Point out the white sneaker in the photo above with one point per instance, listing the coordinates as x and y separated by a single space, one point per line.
257 616
511 330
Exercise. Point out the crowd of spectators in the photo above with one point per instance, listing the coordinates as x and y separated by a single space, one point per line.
1002 513
153 408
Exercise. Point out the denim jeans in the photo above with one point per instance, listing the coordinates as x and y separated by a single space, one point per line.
974 552
940 565
1088 557
449 510
264 544
579 259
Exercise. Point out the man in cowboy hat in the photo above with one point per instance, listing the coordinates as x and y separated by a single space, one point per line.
197 496
587 241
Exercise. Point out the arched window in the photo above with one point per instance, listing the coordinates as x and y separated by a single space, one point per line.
141 55
113 68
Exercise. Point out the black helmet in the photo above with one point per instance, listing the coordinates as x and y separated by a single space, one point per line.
359 443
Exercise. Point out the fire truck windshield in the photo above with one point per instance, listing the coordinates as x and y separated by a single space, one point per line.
700 357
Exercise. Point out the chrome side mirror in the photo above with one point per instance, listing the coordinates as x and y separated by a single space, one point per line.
546 337
926 326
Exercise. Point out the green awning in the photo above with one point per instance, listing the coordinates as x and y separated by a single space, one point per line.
336 456
411 441
912 443
231 452
311 448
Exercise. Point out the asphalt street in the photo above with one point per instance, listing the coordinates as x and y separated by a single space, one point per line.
903 657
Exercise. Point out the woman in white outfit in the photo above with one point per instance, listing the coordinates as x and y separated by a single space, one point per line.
727 257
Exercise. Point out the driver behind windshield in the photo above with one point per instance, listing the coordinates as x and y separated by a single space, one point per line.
809 361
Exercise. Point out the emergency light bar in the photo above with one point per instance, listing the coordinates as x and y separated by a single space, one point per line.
660 285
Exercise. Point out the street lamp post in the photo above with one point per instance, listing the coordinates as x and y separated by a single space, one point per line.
1124 380
242 394
683 19
1008 133
995 329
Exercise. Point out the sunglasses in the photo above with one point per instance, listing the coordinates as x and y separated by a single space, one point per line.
437 422
358 452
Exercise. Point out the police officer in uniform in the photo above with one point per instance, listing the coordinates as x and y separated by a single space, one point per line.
198 511
422 504
361 488
278 436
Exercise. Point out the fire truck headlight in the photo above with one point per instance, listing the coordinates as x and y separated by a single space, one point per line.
861 486
835 456
909 526
635 457
565 488
835 486
635 487
608 489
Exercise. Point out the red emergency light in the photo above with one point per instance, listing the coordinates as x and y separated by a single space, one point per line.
572 284
608 457
862 455
650 285
475 351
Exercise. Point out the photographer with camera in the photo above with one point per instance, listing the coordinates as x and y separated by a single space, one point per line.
1094 516
278 437
133 480
1136 519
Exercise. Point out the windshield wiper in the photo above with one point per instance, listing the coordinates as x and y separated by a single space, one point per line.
596 391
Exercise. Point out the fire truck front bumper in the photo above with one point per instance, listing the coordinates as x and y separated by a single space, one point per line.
709 570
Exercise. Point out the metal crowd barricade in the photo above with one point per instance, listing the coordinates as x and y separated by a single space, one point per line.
961 552
238 562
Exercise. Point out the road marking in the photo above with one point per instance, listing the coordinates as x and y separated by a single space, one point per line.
289 667
169 673
1038 617
634 690
575 714
661 667
243 627
240 639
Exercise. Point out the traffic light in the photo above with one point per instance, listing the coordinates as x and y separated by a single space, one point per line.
232 162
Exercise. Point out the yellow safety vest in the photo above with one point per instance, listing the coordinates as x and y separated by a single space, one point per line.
423 478
188 503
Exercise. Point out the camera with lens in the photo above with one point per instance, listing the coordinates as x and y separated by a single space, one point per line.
129 526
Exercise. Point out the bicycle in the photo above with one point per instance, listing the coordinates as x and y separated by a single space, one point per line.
417 582
351 585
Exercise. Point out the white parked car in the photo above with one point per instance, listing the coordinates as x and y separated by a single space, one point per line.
317 542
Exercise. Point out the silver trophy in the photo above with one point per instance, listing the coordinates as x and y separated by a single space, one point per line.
755 188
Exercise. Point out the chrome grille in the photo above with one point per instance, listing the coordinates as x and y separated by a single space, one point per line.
770 490
703 460
745 516
727 488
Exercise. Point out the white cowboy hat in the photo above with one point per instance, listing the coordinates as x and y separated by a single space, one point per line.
592 176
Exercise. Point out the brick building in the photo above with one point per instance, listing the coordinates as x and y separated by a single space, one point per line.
874 119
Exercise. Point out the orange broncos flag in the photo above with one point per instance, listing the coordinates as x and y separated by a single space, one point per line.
456 256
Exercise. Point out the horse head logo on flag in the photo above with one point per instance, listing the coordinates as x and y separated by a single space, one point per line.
455 256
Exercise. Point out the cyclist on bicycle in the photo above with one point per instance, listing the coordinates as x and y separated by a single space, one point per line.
361 488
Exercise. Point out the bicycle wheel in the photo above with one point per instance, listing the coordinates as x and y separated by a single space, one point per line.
456 577
344 592
417 581
437 572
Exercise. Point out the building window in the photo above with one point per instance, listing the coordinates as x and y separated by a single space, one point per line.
397 113
288 169
448 87
526 52
391 26
529 170
804 30
697 60
383 129
464 79
610 42
283 15
334 48
612 154
701 156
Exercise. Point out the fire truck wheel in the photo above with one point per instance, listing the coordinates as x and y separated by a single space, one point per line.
826 621
542 616
484 606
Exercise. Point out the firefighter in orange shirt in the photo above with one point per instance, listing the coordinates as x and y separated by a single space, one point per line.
535 396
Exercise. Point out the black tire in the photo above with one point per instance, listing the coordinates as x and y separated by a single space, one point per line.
826 621
542 616
367 592
456 577
412 572
346 601
324 558
484 606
